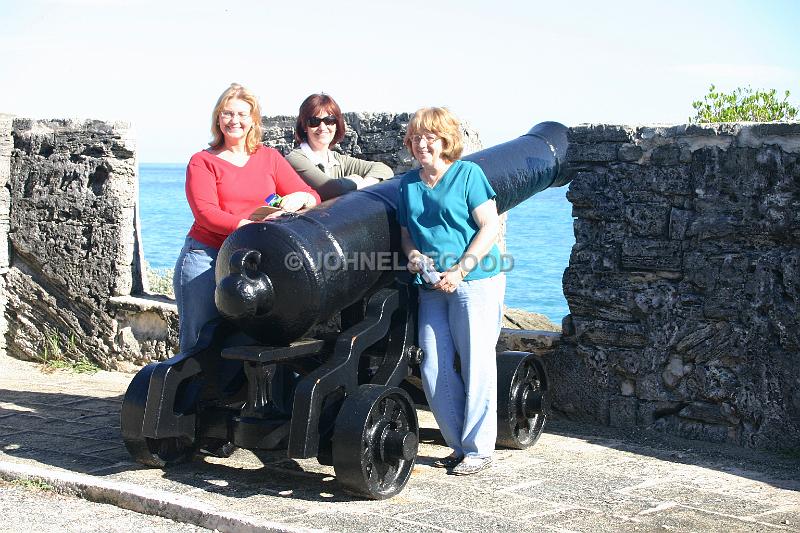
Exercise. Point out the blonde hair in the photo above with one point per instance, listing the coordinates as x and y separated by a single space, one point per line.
237 92
441 122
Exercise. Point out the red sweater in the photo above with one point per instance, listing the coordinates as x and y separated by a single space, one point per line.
221 194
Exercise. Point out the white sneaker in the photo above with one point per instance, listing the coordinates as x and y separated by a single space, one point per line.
472 465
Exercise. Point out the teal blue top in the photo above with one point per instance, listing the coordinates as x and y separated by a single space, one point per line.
439 219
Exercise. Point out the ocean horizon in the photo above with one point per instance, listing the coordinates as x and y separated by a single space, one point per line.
539 237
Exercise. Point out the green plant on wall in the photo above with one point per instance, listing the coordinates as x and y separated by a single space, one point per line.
743 105
54 356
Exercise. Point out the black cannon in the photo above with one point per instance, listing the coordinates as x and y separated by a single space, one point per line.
267 377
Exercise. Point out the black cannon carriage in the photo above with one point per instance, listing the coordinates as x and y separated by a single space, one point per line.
262 378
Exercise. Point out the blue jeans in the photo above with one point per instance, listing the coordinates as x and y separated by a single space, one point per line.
466 322
194 286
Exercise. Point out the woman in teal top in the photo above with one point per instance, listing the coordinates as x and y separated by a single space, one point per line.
449 226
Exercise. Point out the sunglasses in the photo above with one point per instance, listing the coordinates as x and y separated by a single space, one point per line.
330 120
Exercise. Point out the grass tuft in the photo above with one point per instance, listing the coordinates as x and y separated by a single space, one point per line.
55 356
33 484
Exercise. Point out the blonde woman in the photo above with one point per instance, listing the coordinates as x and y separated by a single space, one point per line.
225 183
449 224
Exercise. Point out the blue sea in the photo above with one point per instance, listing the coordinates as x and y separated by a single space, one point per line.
539 237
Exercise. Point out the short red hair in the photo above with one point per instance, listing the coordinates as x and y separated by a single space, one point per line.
310 107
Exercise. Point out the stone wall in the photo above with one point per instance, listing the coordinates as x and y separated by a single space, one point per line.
74 239
684 282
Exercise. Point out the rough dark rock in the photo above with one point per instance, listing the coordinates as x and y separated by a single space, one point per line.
683 284
73 238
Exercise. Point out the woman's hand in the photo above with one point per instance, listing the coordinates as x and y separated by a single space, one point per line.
296 201
356 179
451 279
415 259
366 182
362 182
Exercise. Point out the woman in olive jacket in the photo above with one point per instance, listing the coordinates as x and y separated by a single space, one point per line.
319 127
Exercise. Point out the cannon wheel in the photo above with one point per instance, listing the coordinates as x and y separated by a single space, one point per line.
148 451
521 399
375 441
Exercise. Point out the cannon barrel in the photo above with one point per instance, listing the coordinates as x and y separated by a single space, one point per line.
277 279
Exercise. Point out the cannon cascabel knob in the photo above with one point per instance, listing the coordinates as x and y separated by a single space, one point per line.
245 292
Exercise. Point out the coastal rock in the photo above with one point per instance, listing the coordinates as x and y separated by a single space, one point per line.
521 319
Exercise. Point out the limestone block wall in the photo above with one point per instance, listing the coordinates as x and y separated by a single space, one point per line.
72 229
684 282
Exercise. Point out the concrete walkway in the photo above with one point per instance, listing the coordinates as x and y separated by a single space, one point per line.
60 431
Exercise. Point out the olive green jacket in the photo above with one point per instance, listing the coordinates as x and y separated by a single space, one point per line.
336 184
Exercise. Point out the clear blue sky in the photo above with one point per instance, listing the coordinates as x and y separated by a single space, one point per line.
502 66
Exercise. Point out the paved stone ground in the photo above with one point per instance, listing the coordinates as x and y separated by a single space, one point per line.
62 429
27 506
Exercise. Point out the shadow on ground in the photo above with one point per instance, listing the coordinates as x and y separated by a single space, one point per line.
81 433
778 470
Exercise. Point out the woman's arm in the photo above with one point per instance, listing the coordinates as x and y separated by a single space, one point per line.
287 181
296 193
410 249
366 169
488 221
296 201
326 186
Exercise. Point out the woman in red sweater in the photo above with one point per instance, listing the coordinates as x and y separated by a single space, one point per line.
225 183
